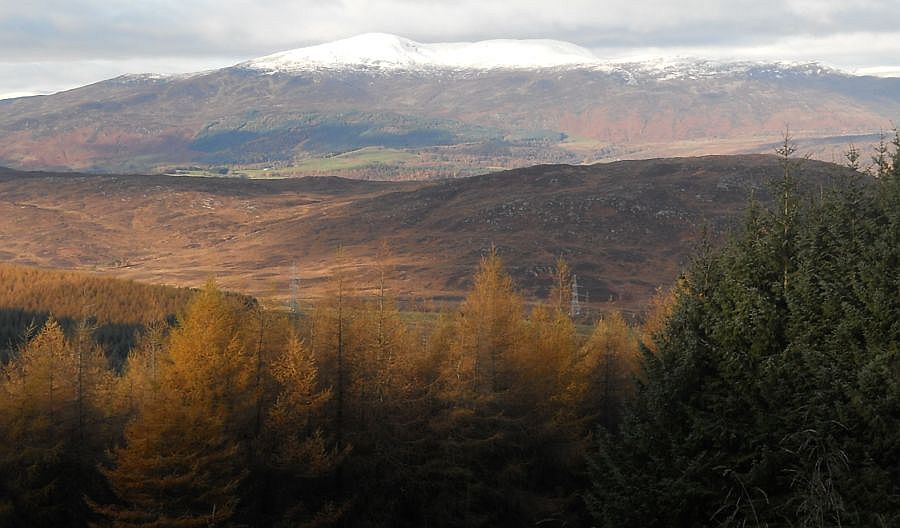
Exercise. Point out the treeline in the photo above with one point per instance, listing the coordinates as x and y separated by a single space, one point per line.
348 415
117 309
764 391
773 398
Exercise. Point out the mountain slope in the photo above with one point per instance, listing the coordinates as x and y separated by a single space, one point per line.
626 227
288 114
439 110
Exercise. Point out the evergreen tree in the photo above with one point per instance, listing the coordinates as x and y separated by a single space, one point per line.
772 399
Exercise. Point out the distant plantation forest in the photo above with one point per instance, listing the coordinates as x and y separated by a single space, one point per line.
116 309
761 390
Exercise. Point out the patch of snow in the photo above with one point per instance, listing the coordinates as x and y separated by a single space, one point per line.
879 71
156 77
390 52
17 95
385 52
144 76
665 69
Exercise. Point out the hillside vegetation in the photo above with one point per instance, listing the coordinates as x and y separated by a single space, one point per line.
115 309
772 397
626 228
763 391
441 123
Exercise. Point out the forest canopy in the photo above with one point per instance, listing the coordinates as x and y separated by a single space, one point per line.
773 398
763 390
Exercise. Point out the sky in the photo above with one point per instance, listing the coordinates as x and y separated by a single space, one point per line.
52 45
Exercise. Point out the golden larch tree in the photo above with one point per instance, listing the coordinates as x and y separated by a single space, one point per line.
610 360
53 414
180 465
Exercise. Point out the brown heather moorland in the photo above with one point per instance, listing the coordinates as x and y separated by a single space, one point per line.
627 228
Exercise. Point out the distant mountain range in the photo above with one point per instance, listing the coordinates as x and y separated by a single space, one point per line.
385 107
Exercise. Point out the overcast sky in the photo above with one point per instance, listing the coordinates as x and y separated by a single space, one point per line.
51 45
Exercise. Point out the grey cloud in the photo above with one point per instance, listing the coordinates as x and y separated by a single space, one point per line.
33 78
119 31
104 29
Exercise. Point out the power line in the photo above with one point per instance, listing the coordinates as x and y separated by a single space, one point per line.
575 306
294 303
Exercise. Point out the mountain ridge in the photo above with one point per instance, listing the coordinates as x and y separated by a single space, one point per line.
381 50
389 123
374 51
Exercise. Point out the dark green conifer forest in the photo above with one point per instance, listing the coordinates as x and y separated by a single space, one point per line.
774 396
763 390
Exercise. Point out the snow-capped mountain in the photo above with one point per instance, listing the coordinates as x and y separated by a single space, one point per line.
385 52
390 52
379 105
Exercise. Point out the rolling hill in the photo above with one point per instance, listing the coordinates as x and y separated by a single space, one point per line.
626 227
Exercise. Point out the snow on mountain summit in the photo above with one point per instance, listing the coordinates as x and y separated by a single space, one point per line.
390 52
385 52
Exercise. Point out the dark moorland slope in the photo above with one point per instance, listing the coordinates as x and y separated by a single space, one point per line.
626 227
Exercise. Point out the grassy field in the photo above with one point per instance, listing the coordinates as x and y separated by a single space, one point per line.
368 157
356 159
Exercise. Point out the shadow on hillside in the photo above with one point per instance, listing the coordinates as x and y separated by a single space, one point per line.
117 339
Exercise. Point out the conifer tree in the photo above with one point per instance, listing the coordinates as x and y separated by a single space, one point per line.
181 461
546 395
490 327
54 415
140 379
297 450
609 363
331 340
772 398
384 399
37 402
545 361
480 435
658 314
